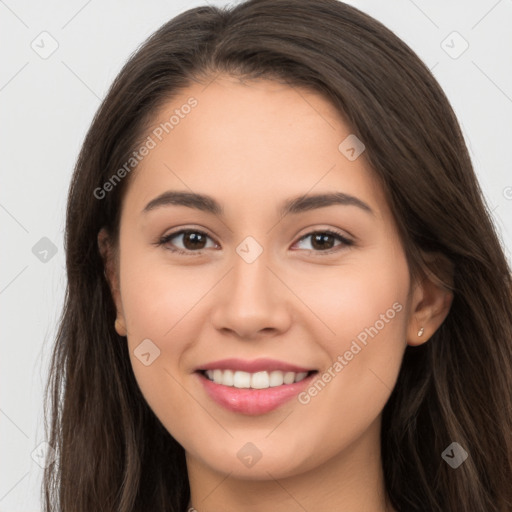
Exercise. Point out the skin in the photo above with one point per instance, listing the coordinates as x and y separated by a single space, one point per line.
252 145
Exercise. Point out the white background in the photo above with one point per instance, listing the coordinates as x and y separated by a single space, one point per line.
47 106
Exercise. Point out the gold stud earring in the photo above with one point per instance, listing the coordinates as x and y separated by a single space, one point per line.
118 327
420 332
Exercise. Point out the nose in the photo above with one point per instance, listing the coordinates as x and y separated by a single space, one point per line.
252 301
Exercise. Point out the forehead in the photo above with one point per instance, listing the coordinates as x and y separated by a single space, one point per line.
252 142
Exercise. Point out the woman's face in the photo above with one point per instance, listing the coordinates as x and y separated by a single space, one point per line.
255 283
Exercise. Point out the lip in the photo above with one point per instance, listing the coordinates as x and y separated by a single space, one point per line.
252 402
256 365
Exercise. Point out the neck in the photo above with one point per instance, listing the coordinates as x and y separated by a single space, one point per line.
350 481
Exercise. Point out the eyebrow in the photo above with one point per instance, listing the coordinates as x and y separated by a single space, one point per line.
294 205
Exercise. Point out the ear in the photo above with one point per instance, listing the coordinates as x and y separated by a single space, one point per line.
431 302
112 277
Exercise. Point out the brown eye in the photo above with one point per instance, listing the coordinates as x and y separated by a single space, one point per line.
195 241
191 239
324 241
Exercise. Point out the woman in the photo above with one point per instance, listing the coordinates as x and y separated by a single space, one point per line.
285 291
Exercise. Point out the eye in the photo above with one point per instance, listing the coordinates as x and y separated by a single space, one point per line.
193 239
323 240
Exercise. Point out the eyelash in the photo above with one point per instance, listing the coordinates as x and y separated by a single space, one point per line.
165 239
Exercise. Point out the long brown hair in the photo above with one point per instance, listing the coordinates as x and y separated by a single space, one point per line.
113 453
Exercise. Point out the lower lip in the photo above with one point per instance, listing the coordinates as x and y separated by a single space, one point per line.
253 401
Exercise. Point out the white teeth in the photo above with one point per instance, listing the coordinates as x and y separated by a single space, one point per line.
217 375
227 376
258 380
276 379
289 378
241 380
300 376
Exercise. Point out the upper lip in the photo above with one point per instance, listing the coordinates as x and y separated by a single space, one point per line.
256 365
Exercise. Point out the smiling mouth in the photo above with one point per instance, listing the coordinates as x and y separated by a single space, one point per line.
257 380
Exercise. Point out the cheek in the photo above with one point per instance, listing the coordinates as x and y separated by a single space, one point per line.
156 300
350 299
364 307
156 295
153 304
